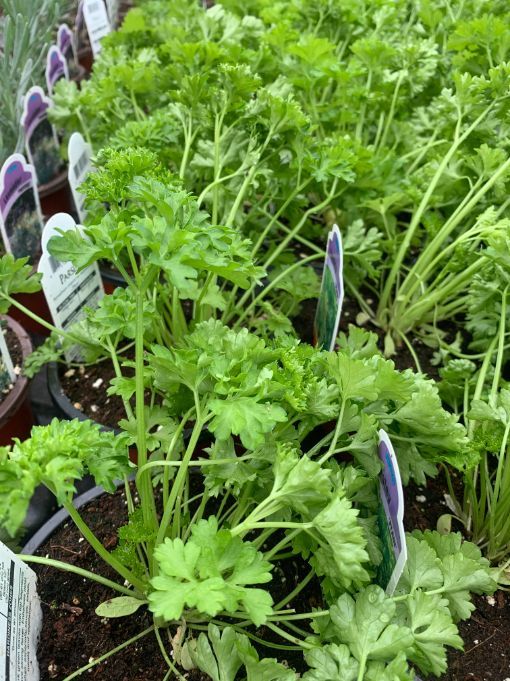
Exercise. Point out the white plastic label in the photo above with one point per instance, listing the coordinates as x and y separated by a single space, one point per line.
68 292
331 297
79 154
40 137
390 517
97 22
20 619
7 375
113 11
56 67
20 212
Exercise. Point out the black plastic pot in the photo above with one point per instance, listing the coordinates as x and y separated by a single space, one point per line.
46 530
16 419
111 280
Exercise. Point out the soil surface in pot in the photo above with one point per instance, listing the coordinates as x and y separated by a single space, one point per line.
15 351
86 387
73 634
486 634
303 324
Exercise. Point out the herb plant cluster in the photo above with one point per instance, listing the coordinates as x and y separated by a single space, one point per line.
227 142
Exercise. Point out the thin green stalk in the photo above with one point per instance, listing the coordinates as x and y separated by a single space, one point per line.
451 224
118 374
98 547
147 501
171 446
274 218
391 114
270 287
179 479
289 637
281 544
418 214
167 659
311 211
295 592
104 657
67 567
42 322
332 446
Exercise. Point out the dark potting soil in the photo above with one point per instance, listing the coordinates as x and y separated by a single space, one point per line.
486 635
14 347
86 387
73 634
303 324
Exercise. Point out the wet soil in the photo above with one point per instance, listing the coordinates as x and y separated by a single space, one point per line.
73 634
486 635
86 387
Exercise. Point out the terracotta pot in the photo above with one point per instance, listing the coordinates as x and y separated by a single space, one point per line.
86 58
36 303
55 196
16 418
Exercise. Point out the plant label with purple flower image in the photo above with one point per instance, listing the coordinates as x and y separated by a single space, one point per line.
67 291
79 153
66 44
40 137
331 296
97 23
390 517
21 220
56 67
20 619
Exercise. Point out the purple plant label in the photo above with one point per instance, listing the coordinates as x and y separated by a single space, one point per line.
331 296
66 44
20 213
67 291
390 517
20 619
97 22
56 67
40 137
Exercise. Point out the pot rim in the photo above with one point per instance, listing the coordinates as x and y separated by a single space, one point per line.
46 530
54 185
13 401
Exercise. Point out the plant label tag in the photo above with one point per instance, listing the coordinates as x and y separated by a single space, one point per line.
390 517
113 11
7 375
20 619
66 44
68 292
40 137
80 30
97 23
79 154
56 67
331 296
21 220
